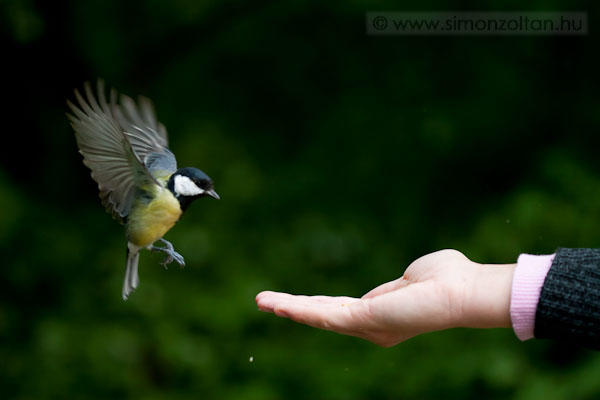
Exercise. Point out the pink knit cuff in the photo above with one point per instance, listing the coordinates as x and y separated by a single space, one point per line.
528 279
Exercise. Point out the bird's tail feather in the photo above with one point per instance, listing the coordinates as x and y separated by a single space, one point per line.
131 280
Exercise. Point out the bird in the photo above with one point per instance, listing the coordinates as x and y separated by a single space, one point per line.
126 149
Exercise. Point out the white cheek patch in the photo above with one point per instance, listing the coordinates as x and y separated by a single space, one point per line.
184 186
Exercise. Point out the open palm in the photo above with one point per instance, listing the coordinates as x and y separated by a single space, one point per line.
438 291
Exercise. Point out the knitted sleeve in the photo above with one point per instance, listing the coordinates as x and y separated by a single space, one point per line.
528 278
569 304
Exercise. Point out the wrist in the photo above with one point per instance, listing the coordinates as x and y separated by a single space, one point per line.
488 305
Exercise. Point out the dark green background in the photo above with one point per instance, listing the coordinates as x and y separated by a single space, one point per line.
339 158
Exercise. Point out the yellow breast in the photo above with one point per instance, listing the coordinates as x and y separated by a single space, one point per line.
148 222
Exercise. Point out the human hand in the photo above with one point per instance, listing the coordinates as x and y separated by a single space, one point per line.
438 291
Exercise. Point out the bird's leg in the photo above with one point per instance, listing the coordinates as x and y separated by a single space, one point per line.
172 255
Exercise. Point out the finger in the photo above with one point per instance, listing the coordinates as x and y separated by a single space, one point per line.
287 296
266 293
387 287
267 301
320 315
335 300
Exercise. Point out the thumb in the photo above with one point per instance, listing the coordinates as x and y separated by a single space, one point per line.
387 287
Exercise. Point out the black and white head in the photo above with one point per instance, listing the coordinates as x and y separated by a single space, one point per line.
188 184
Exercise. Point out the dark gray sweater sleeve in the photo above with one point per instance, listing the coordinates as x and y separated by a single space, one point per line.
569 305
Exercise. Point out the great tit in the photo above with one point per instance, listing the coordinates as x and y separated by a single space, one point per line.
125 147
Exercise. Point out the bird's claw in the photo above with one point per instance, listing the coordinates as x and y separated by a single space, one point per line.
168 260
172 255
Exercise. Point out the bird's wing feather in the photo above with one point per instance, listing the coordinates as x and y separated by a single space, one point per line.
147 136
107 151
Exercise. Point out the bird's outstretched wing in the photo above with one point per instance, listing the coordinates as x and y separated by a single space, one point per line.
147 136
117 164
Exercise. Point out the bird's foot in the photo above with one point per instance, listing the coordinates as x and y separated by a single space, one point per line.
172 255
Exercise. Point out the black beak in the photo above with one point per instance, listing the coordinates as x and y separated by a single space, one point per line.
212 193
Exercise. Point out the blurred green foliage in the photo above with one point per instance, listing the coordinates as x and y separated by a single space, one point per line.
339 157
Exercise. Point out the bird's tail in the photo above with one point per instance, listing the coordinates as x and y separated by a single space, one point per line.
131 280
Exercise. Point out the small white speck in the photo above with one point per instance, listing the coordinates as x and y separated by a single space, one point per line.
251 359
